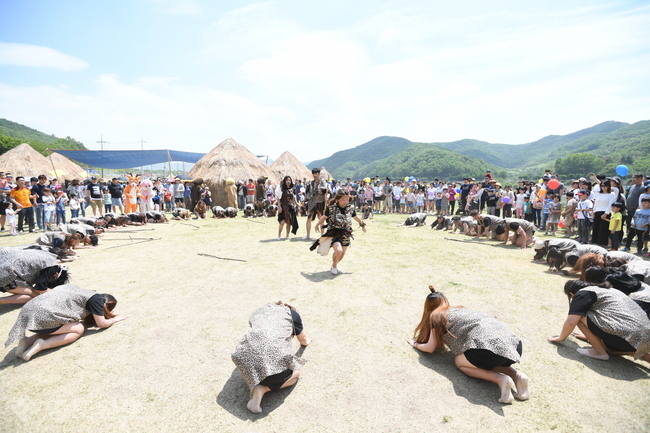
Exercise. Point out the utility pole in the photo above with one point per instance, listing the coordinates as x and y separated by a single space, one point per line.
142 142
101 144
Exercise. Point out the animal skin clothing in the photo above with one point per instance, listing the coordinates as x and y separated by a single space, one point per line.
65 304
266 349
473 330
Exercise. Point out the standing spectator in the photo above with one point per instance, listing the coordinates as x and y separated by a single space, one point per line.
39 209
116 192
169 197
10 213
465 189
583 209
317 193
108 201
49 208
75 189
388 196
96 196
507 207
250 192
60 202
178 190
74 205
603 200
615 221
554 212
241 194
452 199
568 214
21 196
640 226
187 194
632 201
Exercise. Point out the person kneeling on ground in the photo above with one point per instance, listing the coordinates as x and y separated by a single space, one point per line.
265 355
56 318
484 347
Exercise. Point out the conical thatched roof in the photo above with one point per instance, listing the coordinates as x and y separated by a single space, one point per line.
23 160
289 165
324 174
64 169
229 160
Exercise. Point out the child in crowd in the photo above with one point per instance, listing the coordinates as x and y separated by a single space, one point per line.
519 203
554 211
74 205
491 202
527 209
546 212
568 214
107 200
49 207
11 219
584 212
639 226
419 201
444 208
60 202
168 200
410 201
438 202
615 220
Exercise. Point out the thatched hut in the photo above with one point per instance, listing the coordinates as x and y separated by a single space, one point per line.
64 169
324 174
289 165
23 160
229 160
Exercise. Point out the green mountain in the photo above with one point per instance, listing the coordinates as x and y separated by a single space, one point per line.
341 164
12 134
529 154
427 161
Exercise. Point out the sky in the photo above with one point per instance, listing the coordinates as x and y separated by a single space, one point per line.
316 77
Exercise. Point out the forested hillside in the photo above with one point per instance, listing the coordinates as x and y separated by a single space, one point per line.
12 134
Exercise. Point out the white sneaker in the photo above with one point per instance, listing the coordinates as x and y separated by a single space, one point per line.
306 238
279 238
334 271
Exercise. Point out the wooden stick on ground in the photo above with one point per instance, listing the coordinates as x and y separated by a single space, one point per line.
468 241
133 243
188 224
221 258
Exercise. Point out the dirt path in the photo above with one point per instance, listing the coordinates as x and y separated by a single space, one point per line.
168 367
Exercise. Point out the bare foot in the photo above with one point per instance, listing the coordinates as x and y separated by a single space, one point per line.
36 347
579 335
506 384
523 393
254 404
22 345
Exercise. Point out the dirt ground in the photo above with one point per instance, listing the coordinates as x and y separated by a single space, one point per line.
168 367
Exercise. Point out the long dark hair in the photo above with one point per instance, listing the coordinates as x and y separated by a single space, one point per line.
284 186
109 305
434 316
340 193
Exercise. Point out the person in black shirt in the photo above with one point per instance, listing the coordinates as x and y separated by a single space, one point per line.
116 191
339 215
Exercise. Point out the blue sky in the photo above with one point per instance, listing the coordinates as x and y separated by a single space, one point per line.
314 77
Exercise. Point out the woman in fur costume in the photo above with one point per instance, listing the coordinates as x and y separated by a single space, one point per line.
339 215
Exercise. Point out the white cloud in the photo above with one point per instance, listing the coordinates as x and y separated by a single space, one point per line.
36 56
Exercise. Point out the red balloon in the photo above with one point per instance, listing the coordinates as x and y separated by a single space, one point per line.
553 183
561 224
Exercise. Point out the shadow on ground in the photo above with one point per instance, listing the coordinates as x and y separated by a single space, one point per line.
617 367
475 391
235 395
11 360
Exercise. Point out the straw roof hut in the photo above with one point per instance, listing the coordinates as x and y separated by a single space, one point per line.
324 174
23 160
289 165
64 169
229 160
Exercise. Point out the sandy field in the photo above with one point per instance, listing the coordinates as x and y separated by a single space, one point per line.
168 368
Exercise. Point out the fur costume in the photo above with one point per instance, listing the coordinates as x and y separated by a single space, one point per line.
231 192
132 192
146 192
